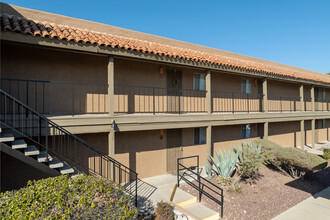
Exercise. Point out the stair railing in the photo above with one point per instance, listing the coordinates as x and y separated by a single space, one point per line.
57 141
191 175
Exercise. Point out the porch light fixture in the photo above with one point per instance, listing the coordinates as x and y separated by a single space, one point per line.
113 125
161 70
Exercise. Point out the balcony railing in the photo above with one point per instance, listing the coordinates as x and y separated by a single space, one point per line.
236 102
277 103
155 100
59 98
322 104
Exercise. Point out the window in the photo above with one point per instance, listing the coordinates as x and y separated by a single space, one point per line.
323 94
246 86
199 82
323 123
246 131
199 136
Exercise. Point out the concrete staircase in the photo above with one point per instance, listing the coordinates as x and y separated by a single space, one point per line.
183 201
19 149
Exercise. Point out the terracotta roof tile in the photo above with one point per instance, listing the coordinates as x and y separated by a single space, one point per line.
61 32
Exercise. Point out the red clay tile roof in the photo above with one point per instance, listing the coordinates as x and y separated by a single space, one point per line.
46 30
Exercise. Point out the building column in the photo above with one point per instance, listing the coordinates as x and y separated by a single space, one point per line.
208 93
313 98
313 133
111 86
302 133
266 124
301 92
111 150
265 95
209 140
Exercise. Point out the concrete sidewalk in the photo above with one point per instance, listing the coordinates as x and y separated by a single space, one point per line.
316 207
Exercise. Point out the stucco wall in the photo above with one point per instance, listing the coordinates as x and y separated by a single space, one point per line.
286 134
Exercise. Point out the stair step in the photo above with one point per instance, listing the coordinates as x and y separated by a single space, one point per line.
42 157
202 212
6 137
182 198
66 169
18 144
31 150
55 163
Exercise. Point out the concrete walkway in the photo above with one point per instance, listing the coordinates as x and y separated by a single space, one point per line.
318 150
316 207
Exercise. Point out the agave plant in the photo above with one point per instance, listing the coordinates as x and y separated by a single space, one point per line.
225 162
246 148
208 170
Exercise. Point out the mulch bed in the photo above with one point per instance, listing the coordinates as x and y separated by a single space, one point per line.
267 196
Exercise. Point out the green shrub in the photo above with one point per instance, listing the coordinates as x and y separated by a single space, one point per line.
225 163
224 181
164 211
291 161
63 197
250 159
326 154
238 188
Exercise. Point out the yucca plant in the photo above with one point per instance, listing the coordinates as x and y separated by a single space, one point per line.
225 162
250 159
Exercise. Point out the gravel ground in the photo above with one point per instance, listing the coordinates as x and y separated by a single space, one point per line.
269 195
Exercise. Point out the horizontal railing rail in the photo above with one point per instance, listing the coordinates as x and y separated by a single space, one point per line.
59 97
55 140
280 103
191 175
143 99
223 101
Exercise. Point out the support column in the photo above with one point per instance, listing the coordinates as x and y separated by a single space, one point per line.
266 130
111 151
209 140
111 86
302 133
313 133
265 95
208 93
301 92
313 98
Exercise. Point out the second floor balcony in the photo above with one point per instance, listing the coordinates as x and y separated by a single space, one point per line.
68 98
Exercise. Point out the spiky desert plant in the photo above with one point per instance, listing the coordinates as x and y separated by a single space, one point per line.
225 162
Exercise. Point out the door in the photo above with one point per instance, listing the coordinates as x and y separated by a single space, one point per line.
174 86
260 94
174 149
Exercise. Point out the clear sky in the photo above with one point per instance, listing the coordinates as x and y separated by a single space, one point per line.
294 32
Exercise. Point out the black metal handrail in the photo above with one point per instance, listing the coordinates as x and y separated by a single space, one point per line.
46 96
322 104
57 141
281 103
226 101
197 178
146 99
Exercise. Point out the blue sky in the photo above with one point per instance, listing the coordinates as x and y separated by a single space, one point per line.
294 32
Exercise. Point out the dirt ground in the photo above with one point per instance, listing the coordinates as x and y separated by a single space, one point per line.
269 195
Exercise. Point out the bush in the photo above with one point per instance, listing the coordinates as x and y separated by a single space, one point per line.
250 159
291 161
164 211
224 181
326 154
63 197
238 188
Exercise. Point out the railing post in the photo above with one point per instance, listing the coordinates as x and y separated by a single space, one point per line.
248 104
27 97
265 95
208 93
233 103
153 95
177 176
199 187
136 189
72 99
281 103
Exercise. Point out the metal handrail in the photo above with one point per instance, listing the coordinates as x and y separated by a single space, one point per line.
199 179
41 131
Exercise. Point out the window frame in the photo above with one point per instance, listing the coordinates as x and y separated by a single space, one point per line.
246 131
246 86
201 137
199 82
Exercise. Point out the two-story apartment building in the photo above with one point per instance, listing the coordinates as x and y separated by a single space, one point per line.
147 100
